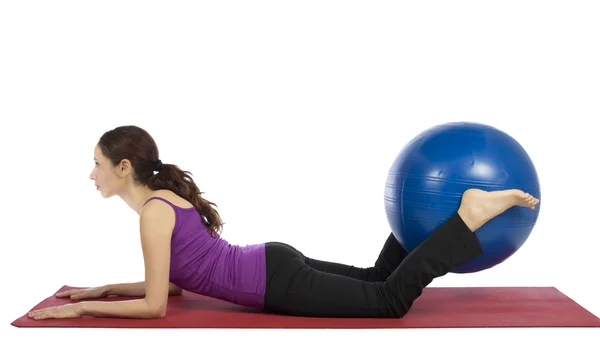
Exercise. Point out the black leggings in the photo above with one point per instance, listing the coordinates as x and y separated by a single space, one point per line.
301 286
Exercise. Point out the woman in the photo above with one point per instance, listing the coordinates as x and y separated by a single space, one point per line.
182 249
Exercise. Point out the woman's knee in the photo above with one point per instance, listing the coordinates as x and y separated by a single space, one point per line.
397 306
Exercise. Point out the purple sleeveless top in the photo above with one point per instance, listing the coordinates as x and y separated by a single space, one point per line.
211 266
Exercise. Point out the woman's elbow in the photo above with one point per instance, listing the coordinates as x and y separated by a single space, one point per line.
160 313
174 289
157 311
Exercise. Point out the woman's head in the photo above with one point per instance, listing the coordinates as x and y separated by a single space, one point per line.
130 151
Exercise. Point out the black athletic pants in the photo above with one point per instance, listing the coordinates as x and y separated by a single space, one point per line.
301 286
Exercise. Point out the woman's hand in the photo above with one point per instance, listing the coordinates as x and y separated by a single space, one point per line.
89 293
60 312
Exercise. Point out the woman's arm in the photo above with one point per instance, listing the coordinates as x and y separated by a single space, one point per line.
157 221
136 309
137 289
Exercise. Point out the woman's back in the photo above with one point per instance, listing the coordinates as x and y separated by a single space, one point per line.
212 266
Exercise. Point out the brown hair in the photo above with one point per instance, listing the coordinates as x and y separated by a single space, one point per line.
136 145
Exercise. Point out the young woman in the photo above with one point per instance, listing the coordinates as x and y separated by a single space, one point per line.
182 249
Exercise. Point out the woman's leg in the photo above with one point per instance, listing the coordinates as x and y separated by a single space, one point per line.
389 259
294 288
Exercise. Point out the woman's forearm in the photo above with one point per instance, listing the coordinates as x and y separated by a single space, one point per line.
127 289
135 289
137 309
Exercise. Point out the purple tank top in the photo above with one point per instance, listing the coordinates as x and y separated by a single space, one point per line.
213 267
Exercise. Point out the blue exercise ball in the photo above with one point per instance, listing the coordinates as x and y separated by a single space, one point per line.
425 184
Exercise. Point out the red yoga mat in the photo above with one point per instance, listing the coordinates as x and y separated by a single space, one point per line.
441 307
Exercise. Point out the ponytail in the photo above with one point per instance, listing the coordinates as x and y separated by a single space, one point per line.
180 182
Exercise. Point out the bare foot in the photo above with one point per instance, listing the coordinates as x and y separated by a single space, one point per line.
479 206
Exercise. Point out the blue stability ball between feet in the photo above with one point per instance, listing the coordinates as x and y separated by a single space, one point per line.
426 181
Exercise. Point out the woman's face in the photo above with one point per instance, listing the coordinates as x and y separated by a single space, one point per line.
105 175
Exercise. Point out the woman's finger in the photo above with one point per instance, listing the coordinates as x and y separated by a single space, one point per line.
45 315
36 314
80 295
69 292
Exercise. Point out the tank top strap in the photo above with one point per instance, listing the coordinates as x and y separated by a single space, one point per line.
163 199
178 208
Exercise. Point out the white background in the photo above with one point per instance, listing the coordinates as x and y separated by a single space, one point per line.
289 115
